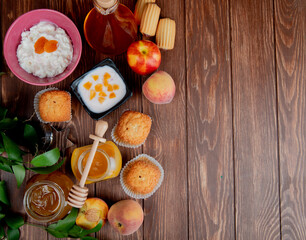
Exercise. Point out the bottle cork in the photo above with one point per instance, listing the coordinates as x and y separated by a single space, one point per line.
165 35
106 3
149 19
140 6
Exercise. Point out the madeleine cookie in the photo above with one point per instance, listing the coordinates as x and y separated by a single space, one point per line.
139 8
165 35
149 19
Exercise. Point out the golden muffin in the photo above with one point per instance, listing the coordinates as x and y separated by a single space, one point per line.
132 129
142 176
55 106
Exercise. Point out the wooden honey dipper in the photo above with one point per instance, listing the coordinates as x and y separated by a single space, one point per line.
78 193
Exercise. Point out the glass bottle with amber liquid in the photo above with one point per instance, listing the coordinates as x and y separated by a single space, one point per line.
110 27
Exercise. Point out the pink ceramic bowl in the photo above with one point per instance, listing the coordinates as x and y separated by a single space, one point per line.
25 22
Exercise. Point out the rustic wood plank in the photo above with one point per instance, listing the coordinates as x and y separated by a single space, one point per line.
290 32
255 127
166 213
115 193
18 97
209 121
81 125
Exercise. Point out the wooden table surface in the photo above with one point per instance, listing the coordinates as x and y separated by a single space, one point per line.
232 142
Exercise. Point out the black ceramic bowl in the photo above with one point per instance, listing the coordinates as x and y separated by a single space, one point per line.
97 116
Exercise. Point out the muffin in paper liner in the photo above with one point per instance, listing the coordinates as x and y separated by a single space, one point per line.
128 190
36 103
121 143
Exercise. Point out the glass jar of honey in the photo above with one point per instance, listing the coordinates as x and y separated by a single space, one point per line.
46 195
106 163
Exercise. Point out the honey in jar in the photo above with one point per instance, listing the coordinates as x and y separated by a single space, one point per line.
110 27
106 164
46 195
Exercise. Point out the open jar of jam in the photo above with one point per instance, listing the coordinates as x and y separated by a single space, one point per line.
46 195
106 164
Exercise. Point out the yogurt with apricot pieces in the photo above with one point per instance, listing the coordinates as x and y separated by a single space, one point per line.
101 89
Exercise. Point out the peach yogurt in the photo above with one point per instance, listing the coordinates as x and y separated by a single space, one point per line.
101 89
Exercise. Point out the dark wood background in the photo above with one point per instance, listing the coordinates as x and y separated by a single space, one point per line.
233 140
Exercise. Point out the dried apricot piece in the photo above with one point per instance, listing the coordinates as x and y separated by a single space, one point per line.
101 99
107 76
40 44
87 85
98 87
112 95
110 88
102 94
95 77
115 86
50 46
92 94
105 79
105 82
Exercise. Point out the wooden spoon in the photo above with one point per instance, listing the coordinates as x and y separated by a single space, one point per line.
78 193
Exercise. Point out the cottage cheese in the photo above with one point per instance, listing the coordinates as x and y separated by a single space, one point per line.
46 64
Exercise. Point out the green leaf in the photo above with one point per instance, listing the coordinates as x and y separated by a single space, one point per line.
8 123
95 229
3 112
5 167
30 137
75 231
11 148
67 227
2 215
2 233
6 164
2 150
14 221
13 234
3 193
56 233
2 73
46 170
7 161
67 222
19 172
47 159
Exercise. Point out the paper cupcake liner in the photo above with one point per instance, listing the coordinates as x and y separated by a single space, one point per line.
121 143
36 103
138 195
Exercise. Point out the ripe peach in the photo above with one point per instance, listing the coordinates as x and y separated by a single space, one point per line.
93 211
159 88
125 216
